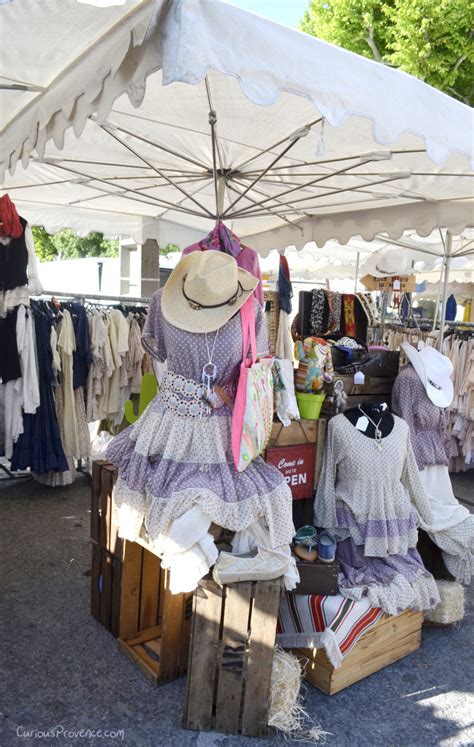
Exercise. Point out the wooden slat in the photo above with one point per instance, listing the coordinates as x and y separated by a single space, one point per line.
143 665
95 496
154 645
403 648
95 580
144 635
203 658
116 595
352 667
317 675
154 666
260 657
150 589
299 432
114 542
233 657
106 590
186 633
171 632
161 595
105 509
130 596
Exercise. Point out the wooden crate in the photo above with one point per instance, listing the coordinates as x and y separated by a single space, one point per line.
154 625
104 526
231 656
374 390
389 640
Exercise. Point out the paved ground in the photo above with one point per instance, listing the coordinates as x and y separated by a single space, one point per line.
61 668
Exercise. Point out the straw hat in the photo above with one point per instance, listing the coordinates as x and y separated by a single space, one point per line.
434 370
205 290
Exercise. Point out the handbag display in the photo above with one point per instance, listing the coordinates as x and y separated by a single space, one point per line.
252 417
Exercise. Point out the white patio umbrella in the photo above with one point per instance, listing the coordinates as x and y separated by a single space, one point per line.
244 133
189 111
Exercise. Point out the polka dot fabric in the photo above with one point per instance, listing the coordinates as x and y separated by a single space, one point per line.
169 462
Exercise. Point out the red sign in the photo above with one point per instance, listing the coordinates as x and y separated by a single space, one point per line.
296 463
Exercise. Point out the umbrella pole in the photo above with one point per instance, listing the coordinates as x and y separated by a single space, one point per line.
438 296
356 280
447 263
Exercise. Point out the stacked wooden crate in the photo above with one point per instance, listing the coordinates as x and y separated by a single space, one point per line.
130 593
392 638
231 657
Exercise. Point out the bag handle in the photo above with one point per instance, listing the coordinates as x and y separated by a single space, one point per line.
247 316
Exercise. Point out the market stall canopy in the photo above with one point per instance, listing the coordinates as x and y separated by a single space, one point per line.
408 255
192 110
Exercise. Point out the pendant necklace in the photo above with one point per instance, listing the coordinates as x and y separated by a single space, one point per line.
378 432
209 371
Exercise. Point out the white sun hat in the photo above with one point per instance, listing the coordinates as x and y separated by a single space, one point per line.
386 263
205 290
434 371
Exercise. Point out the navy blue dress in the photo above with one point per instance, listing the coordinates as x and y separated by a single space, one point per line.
40 447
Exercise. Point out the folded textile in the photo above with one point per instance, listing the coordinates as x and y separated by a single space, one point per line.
317 621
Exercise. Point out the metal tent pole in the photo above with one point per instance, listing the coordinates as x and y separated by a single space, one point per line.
356 279
438 296
447 263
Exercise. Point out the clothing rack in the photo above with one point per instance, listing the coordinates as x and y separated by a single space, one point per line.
459 324
97 297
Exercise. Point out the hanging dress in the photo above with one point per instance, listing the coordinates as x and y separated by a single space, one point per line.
178 454
40 446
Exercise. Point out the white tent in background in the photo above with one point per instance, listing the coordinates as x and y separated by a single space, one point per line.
122 117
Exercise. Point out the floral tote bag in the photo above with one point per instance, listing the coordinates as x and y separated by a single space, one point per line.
252 417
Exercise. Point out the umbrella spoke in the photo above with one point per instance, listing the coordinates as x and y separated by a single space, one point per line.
310 184
164 176
150 200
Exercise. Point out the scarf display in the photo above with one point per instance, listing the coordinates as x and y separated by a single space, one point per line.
9 219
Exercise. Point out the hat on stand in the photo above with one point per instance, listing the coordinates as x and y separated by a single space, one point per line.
434 371
205 290
383 264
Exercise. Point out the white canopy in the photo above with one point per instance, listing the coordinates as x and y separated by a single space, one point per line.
408 255
305 141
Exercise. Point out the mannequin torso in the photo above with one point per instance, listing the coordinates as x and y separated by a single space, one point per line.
361 418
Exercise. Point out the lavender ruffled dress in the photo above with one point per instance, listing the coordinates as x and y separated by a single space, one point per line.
178 454
374 501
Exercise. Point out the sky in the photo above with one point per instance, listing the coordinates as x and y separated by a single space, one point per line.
286 12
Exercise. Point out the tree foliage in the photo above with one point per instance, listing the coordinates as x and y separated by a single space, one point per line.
66 245
431 39
169 248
